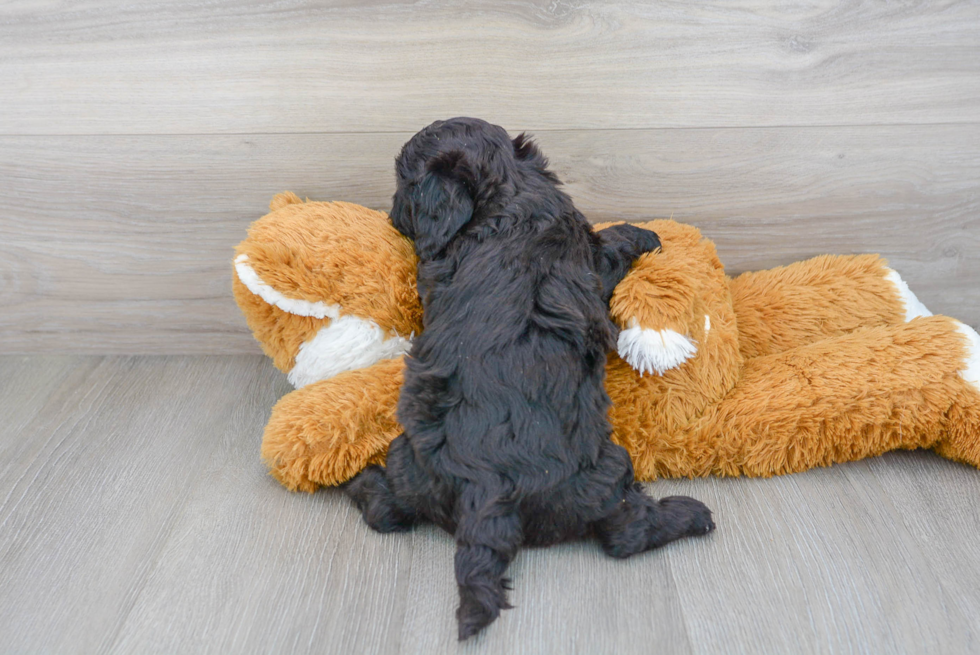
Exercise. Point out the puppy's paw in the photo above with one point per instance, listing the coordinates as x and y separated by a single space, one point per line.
693 514
379 507
646 241
633 240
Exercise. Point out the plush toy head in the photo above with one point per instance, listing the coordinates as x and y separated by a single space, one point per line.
326 287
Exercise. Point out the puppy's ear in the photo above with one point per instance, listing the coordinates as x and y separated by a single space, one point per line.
401 212
442 202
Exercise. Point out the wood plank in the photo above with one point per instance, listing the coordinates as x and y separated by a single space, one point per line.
252 568
229 66
123 244
135 516
569 598
935 501
103 474
27 384
814 563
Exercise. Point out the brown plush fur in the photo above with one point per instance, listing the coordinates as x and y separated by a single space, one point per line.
795 305
802 366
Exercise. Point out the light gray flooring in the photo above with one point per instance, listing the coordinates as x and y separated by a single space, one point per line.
136 517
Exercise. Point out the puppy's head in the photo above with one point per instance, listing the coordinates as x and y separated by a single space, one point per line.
450 172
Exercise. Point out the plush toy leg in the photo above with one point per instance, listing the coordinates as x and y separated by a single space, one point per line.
328 431
962 439
823 297
851 397
914 385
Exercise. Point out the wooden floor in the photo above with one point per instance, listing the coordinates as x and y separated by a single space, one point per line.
136 517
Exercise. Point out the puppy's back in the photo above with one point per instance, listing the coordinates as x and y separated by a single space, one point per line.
509 370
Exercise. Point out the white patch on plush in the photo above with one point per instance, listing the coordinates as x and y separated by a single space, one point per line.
251 279
913 307
346 344
707 324
971 372
654 351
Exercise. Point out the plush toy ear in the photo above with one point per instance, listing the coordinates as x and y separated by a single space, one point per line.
439 205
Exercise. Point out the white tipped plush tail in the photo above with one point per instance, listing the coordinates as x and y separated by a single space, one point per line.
650 351
971 370
913 306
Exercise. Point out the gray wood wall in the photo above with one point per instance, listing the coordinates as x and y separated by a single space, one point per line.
138 141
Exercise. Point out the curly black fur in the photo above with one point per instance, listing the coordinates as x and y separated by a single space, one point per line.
506 439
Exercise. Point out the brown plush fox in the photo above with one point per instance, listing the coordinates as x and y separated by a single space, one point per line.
828 360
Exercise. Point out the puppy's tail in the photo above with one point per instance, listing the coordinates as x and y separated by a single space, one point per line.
488 536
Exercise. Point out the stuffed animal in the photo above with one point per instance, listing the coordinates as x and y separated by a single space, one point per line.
827 360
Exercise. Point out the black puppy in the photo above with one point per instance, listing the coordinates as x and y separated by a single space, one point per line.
507 440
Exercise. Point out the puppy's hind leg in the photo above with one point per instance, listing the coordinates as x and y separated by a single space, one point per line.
639 523
488 536
627 521
382 510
